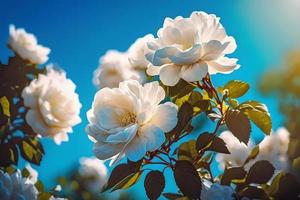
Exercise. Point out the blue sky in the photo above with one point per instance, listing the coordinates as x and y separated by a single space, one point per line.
79 32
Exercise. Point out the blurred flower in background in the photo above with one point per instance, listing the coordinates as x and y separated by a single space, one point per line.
26 46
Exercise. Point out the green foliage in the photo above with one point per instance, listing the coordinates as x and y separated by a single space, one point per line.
31 150
154 184
233 175
239 124
260 172
211 142
187 179
258 114
187 151
236 88
123 176
254 153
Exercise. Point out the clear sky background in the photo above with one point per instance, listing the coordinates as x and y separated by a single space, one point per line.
79 32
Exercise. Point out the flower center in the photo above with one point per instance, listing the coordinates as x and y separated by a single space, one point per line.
127 118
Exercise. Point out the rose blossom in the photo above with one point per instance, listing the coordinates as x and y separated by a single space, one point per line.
137 52
26 46
53 105
189 48
129 120
114 67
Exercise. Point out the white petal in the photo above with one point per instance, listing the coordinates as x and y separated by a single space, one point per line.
187 57
223 65
96 133
194 72
105 151
123 136
165 116
152 136
161 56
153 70
136 149
169 74
231 46
213 50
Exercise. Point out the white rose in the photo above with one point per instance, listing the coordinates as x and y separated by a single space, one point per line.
15 186
129 120
238 151
53 105
138 50
26 46
189 48
96 172
114 67
216 191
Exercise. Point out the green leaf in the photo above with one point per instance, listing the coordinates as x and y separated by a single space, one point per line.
8 155
181 89
187 151
185 115
238 123
288 187
236 88
260 172
296 164
121 173
129 181
154 184
234 174
31 150
187 179
253 154
258 114
210 142
5 106
39 186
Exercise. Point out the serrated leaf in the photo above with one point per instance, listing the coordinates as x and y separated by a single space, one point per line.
236 88
260 172
258 114
210 142
181 89
154 184
187 179
238 123
233 174
187 151
31 150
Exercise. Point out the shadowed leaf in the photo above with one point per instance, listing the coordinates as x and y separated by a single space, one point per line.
187 151
154 184
239 124
234 174
211 142
260 172
187 179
